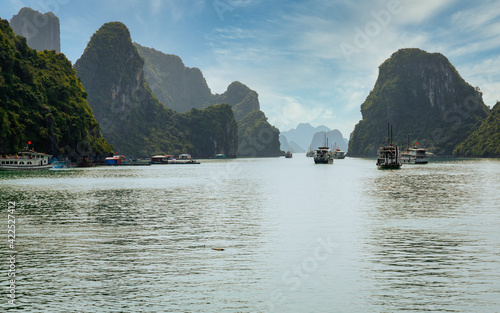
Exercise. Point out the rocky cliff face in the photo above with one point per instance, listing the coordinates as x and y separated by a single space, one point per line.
42 31
178 87
182 89
42 101
423 96
131 116
484 141
243 99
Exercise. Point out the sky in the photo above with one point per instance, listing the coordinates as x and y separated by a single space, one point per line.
310 61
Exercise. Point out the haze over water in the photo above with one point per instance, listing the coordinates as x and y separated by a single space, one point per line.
297 237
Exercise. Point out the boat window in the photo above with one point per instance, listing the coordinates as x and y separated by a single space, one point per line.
21 163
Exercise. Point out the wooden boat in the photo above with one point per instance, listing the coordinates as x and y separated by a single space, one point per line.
323 156
310 153
389 157
338 154
414 154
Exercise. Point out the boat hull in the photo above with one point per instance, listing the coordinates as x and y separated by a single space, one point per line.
26 168
323 161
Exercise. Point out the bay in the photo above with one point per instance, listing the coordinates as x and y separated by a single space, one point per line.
257 235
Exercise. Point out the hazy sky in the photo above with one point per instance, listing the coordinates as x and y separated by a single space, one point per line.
310 61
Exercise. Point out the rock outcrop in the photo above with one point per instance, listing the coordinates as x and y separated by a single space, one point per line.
422 96
182 89
42 101
42 31
131 116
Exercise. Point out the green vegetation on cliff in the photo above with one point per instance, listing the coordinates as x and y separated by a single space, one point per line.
256 137
423 96
182 89
178 87
131 117
484 141
43 101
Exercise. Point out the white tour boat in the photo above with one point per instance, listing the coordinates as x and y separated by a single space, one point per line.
25 160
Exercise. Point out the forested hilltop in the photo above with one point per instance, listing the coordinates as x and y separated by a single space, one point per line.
484 141
422 96
42 101
182 88
131 116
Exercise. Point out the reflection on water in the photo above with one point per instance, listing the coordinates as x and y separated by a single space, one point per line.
428 248
149 239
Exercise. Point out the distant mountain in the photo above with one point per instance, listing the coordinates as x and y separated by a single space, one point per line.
42 31
286 145
131 116
303 134
334 138
182 89
421 95
484 141
42 101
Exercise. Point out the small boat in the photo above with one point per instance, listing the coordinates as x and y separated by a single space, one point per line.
310 153
25 160
124 161
388 157
161 159
168 159
288 154
338 154
220 156
183 159
323 156
414 155
85 162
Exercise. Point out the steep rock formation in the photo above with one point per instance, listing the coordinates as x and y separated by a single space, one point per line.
178 87
42 101
423 96
42 31
256 137
131 116
484 141
182 89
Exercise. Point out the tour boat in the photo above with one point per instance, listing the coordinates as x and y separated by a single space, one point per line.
25 160
389 157
323 156
338 154
414 155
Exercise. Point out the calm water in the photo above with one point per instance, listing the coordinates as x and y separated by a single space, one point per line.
297 237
